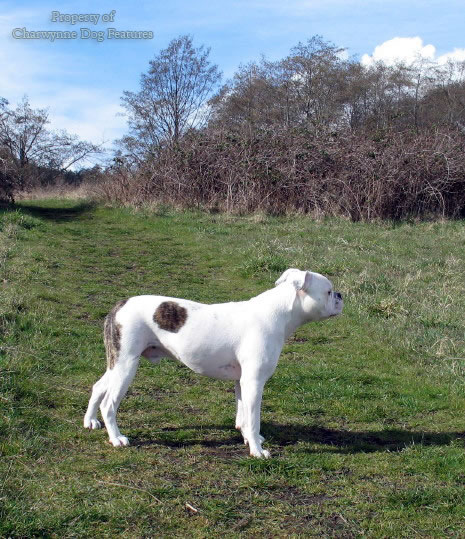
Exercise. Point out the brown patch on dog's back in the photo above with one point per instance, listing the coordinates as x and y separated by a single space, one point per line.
112 334
170 316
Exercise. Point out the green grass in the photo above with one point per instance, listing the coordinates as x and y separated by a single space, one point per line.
364 417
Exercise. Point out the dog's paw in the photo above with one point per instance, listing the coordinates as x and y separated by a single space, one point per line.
261 454
92 424
119 441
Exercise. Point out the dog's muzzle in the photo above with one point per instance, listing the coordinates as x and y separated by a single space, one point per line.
338 303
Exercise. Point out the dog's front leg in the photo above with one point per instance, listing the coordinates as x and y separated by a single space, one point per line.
239 408
240 425
251 388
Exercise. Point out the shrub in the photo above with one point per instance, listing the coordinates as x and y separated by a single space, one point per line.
393 175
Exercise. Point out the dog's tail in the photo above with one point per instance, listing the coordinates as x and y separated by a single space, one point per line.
112 335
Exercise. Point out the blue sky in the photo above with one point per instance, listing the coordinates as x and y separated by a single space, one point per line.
81 81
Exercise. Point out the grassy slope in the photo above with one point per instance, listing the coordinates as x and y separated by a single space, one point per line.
364 416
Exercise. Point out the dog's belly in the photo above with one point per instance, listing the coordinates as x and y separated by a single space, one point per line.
222 370
206 347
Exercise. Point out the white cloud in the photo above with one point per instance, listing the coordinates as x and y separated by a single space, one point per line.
457 55
409 50
400 49
16 62
44 76
92 114
343 55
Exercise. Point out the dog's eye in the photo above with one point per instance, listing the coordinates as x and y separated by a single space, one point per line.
329 292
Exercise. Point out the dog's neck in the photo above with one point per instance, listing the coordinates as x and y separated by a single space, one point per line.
285 306
297 319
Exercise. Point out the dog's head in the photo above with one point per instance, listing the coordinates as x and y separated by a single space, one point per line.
315 293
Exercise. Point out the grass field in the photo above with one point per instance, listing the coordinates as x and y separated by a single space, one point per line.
364 417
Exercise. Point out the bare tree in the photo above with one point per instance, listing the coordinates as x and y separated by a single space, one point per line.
173 95
315 84
444 102
303 89
29 152
249 100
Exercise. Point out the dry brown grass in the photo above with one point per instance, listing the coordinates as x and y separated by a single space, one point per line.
56 191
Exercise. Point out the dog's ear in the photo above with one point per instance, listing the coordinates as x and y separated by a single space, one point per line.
307 281
299 279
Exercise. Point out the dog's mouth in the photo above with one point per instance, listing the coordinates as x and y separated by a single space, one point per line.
337 309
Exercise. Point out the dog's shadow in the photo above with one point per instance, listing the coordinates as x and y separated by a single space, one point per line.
328 440
348 441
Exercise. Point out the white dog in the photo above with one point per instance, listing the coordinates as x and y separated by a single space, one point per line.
238 341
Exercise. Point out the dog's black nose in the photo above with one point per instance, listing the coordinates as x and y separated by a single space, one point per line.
338 295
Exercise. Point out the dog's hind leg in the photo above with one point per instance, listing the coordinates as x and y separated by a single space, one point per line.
119 379
98 392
